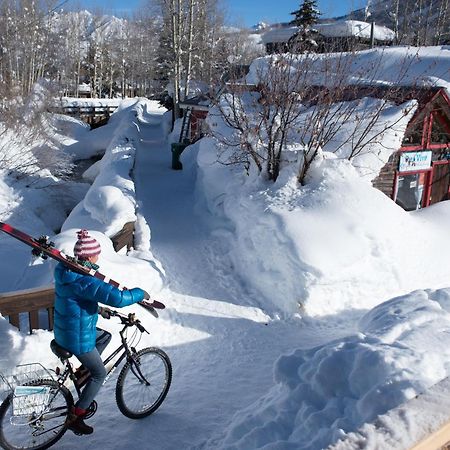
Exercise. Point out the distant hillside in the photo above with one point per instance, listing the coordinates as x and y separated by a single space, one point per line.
420 22
89 27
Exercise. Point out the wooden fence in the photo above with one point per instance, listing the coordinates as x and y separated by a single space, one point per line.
32 309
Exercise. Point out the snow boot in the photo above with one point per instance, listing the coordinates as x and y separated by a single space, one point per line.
75 422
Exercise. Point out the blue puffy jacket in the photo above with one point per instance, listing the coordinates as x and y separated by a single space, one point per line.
76 307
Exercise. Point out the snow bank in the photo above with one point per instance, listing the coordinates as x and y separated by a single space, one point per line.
428 66
111 202
322 394
334 244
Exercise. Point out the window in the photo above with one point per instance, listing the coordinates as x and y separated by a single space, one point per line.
439 134
413 136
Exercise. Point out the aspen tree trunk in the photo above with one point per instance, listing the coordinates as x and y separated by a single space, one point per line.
190 47
418 41
442 20
100 80
176 49
111 79
427 24
396 10
77 77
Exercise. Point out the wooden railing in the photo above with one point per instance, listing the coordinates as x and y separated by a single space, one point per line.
125 237
37 304
93 115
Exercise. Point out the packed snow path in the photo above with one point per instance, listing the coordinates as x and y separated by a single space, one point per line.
221 345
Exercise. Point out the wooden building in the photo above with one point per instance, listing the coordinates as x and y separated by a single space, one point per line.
339 36
418 175
195 110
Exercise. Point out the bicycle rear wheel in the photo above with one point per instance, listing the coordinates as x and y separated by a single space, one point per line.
35 431
143 383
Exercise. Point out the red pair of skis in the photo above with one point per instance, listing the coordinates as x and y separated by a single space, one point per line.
43 247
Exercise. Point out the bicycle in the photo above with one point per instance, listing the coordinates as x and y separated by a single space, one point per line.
33 415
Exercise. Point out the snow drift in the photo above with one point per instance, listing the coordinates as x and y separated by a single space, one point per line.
334 244
324 393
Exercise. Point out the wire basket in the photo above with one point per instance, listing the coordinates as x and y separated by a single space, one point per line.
23 375
30 400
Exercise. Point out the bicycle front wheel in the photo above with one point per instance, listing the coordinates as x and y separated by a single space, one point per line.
35 429
143 383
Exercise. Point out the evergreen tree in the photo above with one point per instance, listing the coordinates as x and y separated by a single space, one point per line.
304 39
308 14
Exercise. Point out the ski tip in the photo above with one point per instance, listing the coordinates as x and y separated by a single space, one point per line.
149 307
158 305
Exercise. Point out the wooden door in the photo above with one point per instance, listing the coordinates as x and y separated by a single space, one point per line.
440 182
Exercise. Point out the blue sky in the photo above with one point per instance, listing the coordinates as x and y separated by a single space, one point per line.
246 12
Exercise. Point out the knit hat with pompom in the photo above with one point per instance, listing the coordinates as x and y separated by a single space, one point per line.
86 246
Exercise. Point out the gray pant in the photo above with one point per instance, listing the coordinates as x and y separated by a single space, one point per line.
93 362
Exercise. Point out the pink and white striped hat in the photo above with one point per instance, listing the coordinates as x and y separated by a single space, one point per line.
86 246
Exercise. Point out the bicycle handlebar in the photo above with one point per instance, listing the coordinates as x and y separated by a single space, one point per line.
128 320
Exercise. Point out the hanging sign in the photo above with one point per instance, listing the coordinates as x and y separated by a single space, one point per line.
413 161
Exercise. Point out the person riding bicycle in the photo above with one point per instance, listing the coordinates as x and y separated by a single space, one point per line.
76 313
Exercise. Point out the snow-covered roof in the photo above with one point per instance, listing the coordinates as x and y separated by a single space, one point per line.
344 28
357 28
405 66
83 87
279 34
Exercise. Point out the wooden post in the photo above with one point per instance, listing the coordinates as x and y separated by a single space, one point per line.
125 237
372 35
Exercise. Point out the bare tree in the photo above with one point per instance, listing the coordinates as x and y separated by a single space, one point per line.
305 100
442 27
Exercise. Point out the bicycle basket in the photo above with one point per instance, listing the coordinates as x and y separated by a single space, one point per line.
23 375
30 399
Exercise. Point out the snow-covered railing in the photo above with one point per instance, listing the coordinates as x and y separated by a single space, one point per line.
94 115
32 302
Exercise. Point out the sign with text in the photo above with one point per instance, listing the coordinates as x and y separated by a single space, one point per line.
413 161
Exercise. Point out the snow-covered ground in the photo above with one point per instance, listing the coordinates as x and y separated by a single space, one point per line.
281 321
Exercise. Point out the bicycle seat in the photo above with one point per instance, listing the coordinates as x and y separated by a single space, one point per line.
59 351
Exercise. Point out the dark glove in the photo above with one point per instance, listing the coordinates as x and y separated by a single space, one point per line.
146 295
105 312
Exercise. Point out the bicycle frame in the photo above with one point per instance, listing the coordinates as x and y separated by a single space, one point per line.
124 351
127 352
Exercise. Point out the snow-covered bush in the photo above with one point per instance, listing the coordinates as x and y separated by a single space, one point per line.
27 135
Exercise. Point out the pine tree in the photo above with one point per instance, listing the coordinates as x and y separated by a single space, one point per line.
308 14
304 39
